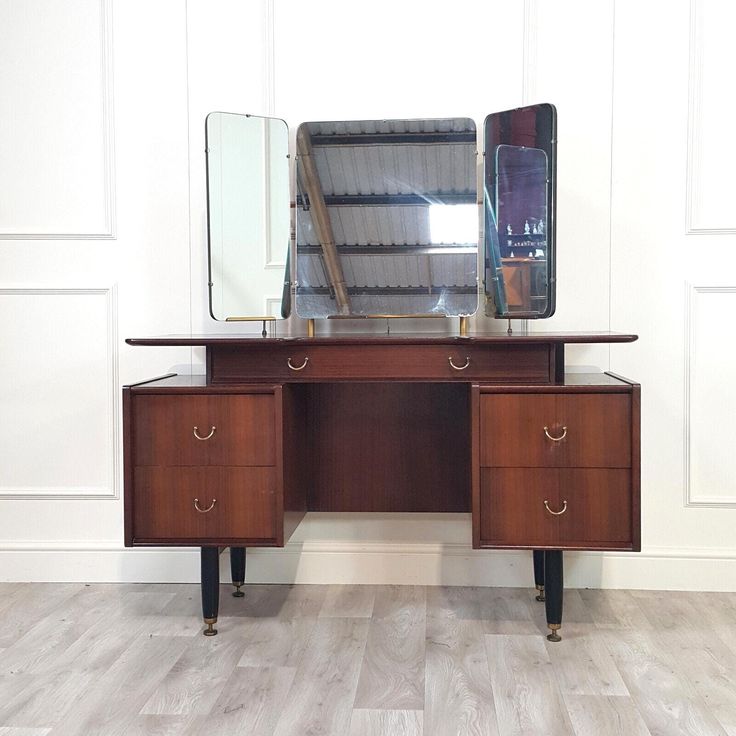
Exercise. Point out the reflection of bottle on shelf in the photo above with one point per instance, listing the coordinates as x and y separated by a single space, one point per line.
509 231
526 227
540 227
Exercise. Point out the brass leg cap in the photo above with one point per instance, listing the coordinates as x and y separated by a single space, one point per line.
553 635
210 630
238 593
540 597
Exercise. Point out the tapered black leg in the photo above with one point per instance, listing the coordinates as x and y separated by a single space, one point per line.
539 573
210 581
237 569
553 591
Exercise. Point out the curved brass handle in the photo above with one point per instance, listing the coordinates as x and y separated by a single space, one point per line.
298 367
211 506
459 367
196 433
556 439
556 513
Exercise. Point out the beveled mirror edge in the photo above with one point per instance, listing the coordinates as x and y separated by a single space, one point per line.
552 218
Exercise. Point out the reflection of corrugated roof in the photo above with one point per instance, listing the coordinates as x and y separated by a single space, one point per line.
366 159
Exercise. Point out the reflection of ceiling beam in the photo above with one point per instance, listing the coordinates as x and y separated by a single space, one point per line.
387 290
390 200
392 139
321 219
462 249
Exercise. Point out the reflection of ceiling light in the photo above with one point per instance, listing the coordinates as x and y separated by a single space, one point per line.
453 223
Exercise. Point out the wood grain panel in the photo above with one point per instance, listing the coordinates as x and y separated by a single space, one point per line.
597 434
390 447
597 513
346 362
245 507
244 434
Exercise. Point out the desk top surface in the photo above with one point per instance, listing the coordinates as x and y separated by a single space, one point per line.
424 338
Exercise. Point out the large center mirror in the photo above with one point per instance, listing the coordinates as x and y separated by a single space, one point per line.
387 218
519 206
248 216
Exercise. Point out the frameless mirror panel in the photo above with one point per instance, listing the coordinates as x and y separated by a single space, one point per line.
387 218
248 216
519 209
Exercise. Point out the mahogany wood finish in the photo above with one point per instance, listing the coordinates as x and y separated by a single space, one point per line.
597 503
242 500
390 447
532 362
596 429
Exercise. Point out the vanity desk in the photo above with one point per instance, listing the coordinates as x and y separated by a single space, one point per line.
483 424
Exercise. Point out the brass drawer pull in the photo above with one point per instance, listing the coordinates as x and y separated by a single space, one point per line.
459 367
298 367
211 506
556 439
556 513
209 436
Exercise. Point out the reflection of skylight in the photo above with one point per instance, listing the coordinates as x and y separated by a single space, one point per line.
453 223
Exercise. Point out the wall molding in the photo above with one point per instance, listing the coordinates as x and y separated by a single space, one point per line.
108 145
694 126
691 499
384 563
112 490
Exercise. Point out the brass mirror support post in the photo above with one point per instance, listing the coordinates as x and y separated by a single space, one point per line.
310 328
253 319
463 326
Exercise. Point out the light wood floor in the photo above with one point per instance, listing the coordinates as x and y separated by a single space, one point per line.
363 661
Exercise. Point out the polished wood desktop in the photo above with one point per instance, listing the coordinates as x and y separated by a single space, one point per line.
486 424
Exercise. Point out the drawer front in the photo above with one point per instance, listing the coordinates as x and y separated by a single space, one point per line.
584 507
188 429
241 503
555 430
300 362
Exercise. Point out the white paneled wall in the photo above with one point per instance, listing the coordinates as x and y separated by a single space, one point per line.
102 166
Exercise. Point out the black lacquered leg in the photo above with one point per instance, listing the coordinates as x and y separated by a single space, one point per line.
237 569
210 581
553 591
539 573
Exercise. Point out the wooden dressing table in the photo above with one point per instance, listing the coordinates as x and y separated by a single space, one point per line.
487 424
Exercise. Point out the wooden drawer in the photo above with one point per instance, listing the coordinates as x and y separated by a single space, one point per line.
237 429
242 504
555 430
305 363
596 503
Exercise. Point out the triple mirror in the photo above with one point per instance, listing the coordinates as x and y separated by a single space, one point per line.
389 217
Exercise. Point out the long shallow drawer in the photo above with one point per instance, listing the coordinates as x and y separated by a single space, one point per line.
555 430
191 504
188 429
300 362
565 507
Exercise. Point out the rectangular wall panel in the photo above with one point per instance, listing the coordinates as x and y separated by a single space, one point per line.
710 417
712 156
56 128
58 389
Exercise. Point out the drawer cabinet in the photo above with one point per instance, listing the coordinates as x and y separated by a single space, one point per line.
204 467
556 469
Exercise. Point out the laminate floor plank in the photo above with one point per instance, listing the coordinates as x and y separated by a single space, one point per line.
614 609
386 723
195 681
447 601
12 731
605 715
392 675
273 642
458 696
148 725
669 609
668 703
527 696
583 665
349 601
510 611
321 697
251 703
112 701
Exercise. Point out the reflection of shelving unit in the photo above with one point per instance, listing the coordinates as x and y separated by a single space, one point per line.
525 283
